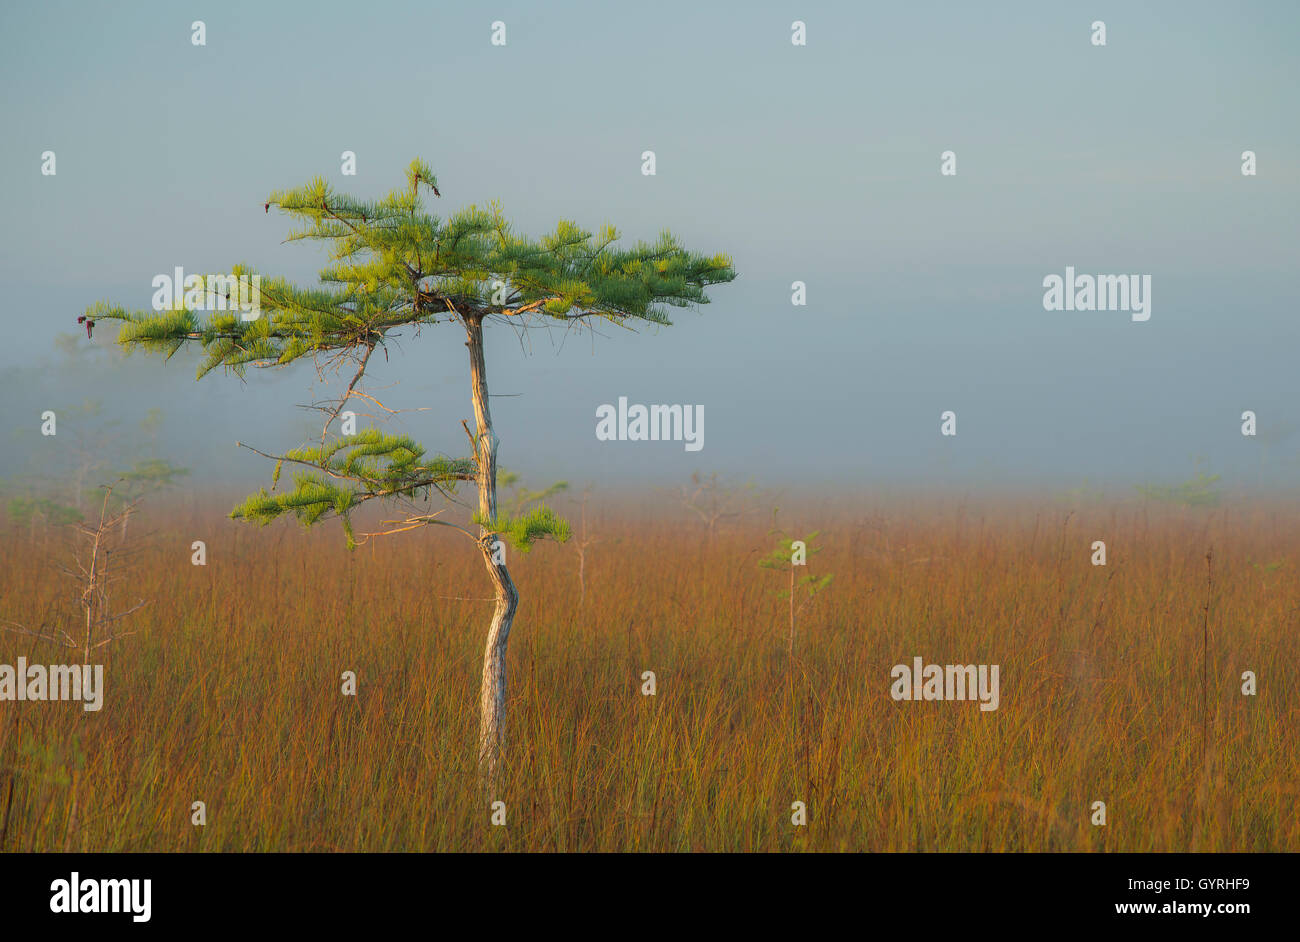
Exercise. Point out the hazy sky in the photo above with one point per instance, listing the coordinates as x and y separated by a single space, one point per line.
818 163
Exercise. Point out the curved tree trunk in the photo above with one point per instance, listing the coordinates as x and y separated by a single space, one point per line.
492 695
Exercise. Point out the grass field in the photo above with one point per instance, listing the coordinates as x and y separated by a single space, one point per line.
230 691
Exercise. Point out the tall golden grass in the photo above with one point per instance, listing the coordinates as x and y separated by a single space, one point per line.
230 692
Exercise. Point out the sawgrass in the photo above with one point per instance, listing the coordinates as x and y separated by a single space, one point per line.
230 692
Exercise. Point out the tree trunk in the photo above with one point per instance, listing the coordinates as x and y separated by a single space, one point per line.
582 574
492 695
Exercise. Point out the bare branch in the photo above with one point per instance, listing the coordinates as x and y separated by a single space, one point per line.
370 348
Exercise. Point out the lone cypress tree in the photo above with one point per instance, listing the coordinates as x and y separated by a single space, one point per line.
394 265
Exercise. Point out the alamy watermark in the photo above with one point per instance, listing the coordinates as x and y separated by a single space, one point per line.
84 682
234 292
656 423
78 895
1098 293
924 681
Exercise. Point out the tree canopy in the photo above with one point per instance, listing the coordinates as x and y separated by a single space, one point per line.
394 265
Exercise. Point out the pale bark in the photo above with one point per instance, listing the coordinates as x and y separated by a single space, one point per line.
492 695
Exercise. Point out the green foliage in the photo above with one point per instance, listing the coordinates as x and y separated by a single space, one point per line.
394 264
1085 493
150 474
525 529
782 559
1198 492
24 509
521 498
310 500
51 763
374 465
383 463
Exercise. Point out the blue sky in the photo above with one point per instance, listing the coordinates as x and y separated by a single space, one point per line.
816 163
